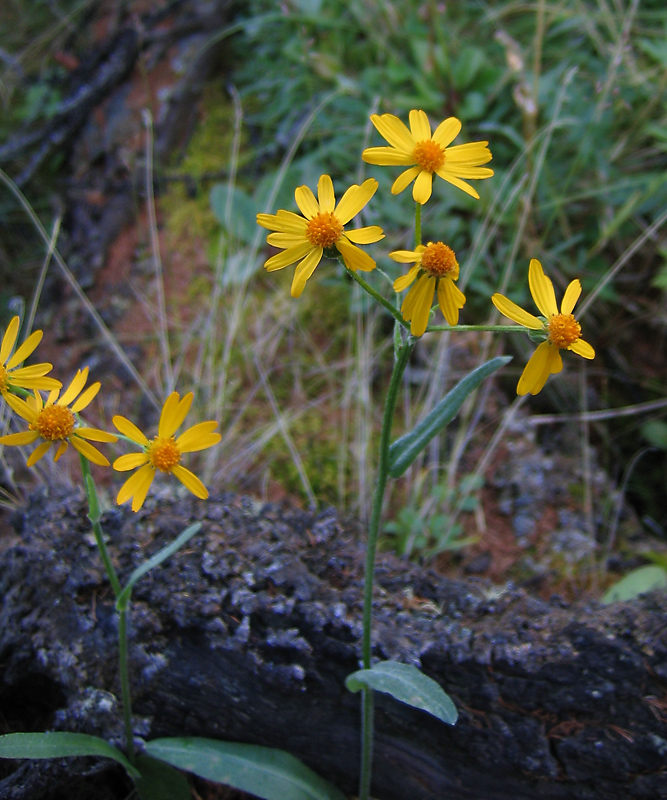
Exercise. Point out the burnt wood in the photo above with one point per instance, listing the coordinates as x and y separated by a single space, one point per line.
249 633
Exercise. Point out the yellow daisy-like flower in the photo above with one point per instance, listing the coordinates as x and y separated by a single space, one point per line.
163 452
562 330
425 154
321 231
11 375
435 269
56 424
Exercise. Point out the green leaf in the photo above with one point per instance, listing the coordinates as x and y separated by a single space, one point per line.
263 771
404 450
60 744
639 581
407 684
154 561
160 781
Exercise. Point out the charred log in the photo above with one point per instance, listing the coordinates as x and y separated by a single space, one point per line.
249 634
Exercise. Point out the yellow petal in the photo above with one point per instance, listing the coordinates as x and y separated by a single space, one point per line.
18 439
9 339
417 304
353 257
190 481
571 296
421 191
514 312
373 233
283 221
447 175
86 398
394 131
130 461
582 348
541 289
138 483
470 154
306 201
325 194
469 173
304 270
354 199
408 256
406 280
450 299
198 437
72 391
20 407
88 451
285 240
446 132
39 452
387 157
544 361
25 349
173 414
289 256
130 430
419 126
62 449
405 179
96 435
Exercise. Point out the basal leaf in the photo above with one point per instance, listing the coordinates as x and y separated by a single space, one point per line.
637 582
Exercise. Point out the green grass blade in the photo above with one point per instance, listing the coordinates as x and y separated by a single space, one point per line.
263 771
408 684
403 451
60 744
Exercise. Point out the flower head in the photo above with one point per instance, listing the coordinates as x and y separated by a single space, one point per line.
435 269
321 230
561 329
163 453
56 424
425 154
11 375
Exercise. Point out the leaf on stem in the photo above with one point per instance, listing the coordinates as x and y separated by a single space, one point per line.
60 744
408 684
154 561
160 781
404 450
262 771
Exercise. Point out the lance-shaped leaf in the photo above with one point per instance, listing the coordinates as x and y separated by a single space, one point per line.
404 450
183 538
262 771
160 781
60 744
406 683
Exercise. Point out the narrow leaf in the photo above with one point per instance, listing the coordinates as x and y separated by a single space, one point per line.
262 771
406 683
159 781
154 561
639 581
404 450
60 744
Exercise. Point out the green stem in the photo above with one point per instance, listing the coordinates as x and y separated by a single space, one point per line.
94 516
373 531
396 314
418 225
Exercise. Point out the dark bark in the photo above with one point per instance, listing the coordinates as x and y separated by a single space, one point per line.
248 635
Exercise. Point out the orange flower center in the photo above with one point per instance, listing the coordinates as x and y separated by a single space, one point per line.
324 229
564 330
3 379
439 260
54 423
164 454
429 155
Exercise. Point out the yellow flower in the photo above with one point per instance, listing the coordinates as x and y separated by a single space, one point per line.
55 422
24 377
321 230
435 268
163 452
562 330
425 154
